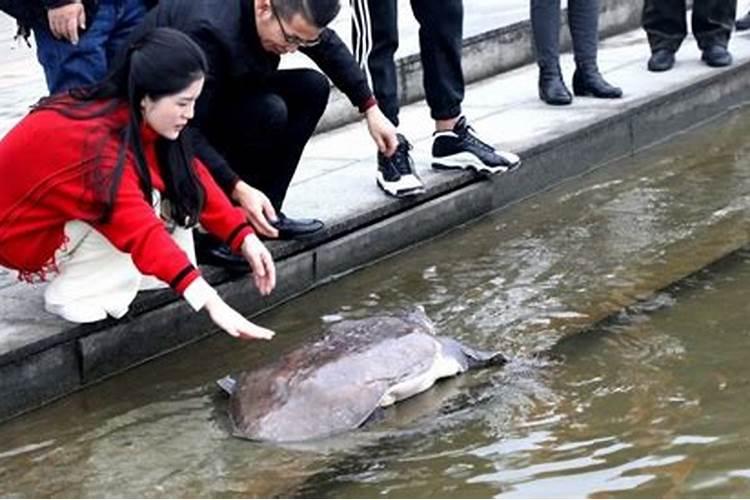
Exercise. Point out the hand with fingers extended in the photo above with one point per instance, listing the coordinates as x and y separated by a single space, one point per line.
382 131
233 322
261 263
66 21
260 211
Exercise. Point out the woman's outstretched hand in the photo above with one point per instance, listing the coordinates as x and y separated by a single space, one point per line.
233 322
261 263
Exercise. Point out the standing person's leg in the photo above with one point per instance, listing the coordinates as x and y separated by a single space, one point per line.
455 144
440 38
545 27
583 19
66 65
375 40
129 13
666 26
712 26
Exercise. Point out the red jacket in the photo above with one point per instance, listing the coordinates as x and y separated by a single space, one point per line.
44 161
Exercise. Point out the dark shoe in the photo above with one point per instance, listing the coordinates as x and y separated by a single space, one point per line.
396 174
461 148
210 251
661 60
589 82
552 89
293 229
716 56
743 23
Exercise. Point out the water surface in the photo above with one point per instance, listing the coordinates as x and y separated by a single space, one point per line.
647 401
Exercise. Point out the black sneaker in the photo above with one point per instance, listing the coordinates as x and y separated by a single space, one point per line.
461 148
396 174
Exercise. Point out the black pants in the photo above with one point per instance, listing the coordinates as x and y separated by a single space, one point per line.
583 20
666 25
266 128
375 40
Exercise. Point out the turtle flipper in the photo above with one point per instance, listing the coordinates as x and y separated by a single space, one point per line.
227 384
469 357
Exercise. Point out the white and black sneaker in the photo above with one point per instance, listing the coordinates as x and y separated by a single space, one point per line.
396 174
461 148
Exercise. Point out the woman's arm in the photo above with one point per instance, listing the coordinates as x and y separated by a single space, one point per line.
228 223
134 228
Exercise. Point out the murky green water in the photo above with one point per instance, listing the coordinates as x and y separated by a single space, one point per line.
647 401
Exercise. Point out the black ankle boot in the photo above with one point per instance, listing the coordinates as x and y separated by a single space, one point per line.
589 82
552 89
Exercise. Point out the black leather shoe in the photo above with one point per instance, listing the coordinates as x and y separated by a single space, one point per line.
292 229
552 89
210 251
716 56
589 82
661 60
743 23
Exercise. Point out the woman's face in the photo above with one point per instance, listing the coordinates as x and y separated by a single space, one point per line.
169 114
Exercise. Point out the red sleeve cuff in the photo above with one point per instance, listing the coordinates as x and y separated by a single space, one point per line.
184 278
237 237
370 102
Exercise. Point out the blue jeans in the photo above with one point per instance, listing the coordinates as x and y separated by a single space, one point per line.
67 65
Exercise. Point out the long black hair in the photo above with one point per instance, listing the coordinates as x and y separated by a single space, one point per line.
157 63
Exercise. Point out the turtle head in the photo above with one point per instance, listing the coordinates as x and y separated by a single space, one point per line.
469 357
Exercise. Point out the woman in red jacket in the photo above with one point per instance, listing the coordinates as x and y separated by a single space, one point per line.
95 180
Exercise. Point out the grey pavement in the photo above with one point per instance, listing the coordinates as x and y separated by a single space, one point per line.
335 182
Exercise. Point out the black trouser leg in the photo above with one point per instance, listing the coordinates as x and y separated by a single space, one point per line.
665 23
440 39
375 40
545 27
713 21
583 19
269 128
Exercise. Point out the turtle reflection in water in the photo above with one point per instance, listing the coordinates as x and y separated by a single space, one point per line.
336 383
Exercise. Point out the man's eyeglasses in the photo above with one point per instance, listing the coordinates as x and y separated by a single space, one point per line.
290 38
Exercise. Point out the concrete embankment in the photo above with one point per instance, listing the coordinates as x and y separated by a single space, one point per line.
42 358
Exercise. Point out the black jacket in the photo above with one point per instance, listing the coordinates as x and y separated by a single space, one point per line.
226 31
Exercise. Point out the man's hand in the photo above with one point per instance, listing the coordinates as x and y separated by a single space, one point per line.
381 129
261 262
258 207
66 20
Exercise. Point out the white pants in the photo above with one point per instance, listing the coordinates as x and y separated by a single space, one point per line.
96 279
